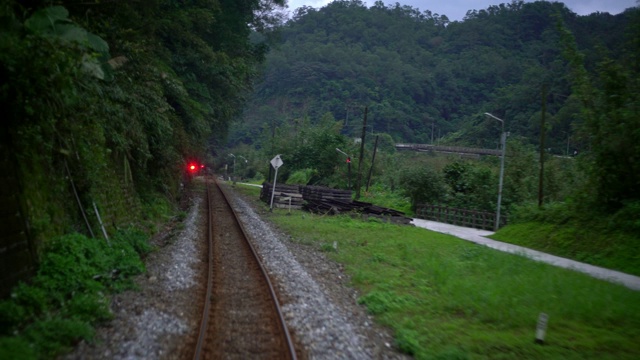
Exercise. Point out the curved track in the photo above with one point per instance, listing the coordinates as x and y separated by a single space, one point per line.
241 317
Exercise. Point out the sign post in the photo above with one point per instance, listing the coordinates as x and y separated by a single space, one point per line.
541 329
276 162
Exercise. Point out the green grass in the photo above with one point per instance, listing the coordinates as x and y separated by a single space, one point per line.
381 196
594 245
252 191
68 296
445 298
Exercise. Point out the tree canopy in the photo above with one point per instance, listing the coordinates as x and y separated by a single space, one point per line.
122 93
425 78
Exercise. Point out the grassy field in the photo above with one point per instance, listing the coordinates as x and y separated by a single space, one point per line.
615 250
445 298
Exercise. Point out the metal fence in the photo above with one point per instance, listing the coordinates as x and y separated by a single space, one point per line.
462 217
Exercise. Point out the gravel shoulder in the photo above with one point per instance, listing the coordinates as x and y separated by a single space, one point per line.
320 307
160 319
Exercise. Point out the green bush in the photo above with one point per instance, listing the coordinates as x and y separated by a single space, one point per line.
381 195
423 185
302 176
67 297
554 213
628 218
51 336
16 348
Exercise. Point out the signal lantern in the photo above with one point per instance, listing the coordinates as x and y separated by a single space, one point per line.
194 167
348 160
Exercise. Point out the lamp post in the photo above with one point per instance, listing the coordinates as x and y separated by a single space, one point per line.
348 166
234 165
503 140
568 139
244 170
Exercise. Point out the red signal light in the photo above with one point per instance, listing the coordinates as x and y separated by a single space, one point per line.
194 167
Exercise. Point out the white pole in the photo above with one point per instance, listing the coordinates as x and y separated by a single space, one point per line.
503 141
104 232
273 192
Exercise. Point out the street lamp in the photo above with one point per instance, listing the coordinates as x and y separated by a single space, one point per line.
234 164
244 171
348 166
503 140
568 139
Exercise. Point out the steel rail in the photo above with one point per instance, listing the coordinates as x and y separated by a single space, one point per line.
205 311
272 291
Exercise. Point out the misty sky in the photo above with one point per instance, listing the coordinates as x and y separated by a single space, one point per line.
456 9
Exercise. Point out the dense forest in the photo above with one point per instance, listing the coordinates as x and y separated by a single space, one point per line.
117 96
425 79
419 72
104 103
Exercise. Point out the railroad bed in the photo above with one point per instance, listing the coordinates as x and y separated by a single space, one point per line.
162 319
241 315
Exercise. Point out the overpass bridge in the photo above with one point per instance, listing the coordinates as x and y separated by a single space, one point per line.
449 149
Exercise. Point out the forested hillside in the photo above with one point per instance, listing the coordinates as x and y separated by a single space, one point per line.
424 77
104 102
103 105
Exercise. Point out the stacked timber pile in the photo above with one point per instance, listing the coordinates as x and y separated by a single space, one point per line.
333 201
394 216
286 196
321 193
322 199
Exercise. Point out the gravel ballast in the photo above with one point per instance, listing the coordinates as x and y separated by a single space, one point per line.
159 320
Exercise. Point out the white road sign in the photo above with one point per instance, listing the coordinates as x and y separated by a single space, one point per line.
276 162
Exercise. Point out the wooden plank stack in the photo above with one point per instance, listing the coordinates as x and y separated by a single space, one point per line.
333 201
286 196
320 199
322 193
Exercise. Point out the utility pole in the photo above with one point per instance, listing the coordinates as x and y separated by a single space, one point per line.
503 142
542 134
364 133
373 160
432 126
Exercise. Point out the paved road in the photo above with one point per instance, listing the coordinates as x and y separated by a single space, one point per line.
479 237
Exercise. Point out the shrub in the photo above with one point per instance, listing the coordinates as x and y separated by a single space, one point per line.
301 176
422 185
68 294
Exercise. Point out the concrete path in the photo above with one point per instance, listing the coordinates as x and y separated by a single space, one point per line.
255 185
479 237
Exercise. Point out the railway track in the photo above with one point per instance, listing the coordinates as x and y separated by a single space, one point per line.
241 316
